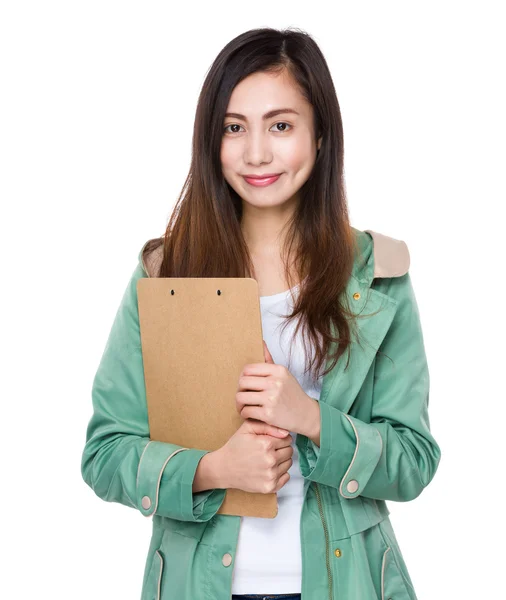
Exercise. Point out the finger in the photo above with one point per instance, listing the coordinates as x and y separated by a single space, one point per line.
253 412
260 369
282 481
255 384
243 399
284 453
284 467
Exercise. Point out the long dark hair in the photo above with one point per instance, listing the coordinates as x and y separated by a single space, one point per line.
204 238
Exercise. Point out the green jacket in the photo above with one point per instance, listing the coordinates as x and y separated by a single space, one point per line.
375 445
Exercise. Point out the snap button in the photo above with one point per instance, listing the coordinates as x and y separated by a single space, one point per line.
352 486
227 559
337 552
146 502
356 295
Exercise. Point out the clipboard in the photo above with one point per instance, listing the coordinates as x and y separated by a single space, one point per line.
197 333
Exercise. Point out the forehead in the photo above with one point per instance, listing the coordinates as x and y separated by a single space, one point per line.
260 92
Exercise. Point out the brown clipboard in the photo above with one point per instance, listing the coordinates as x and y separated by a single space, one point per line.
197 333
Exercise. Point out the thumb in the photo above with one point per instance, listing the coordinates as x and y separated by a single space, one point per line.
267 355
259 427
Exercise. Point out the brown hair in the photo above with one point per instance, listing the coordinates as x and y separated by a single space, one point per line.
204 238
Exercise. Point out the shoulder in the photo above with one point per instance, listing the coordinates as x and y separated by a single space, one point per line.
385 268
151 256
390 255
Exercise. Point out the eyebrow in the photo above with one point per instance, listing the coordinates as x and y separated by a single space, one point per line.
268 115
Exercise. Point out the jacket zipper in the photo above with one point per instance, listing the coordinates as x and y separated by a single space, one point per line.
158 596
326 532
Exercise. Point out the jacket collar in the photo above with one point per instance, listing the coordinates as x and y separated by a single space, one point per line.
363 264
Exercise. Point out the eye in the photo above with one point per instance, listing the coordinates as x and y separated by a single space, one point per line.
231 125
281 123
237 125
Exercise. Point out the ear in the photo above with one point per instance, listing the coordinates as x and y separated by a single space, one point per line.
319 143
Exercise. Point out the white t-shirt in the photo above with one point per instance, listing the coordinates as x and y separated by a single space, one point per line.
268 558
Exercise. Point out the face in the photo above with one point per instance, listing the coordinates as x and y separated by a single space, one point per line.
282 143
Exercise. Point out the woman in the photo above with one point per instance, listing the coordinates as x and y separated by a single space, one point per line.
335 438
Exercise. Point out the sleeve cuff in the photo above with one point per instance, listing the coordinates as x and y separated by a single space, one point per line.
165 481
348 453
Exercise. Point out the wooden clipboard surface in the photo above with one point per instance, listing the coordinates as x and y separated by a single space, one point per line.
197 333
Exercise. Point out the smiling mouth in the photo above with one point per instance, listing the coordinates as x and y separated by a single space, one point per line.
262 181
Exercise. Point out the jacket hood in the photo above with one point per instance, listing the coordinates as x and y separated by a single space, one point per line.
379 256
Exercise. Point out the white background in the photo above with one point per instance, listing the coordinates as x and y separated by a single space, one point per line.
97 108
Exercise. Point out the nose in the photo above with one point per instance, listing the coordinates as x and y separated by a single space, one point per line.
257 149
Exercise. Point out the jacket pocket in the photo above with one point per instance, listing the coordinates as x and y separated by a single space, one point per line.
395 581
153 585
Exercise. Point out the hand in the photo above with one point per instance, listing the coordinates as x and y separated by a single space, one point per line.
269 392
256 458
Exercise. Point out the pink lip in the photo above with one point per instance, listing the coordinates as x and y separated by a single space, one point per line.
262 182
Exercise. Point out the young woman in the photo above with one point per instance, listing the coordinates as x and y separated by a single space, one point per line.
335 436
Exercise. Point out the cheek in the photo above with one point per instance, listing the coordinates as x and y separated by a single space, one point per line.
297 156
229 166
227 156
299 163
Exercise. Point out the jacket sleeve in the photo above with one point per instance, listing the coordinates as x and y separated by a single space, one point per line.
395 455
120 462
